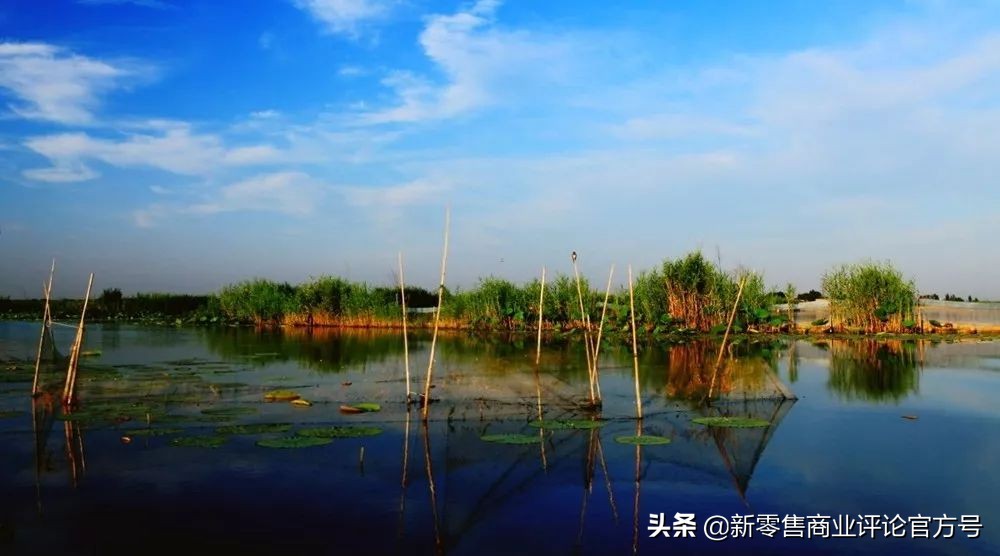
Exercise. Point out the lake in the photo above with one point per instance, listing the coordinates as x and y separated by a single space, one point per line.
880 428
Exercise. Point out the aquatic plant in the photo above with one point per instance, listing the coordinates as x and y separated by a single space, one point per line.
566 424
511 438
644 440
280 396
290 442
258 301
340 432
254 428
870 295
151 432
731 422
199 441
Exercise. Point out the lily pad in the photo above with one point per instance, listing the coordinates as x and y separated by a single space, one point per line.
566 424
644 440
294 442
151 432
10 414
255 428
302 403
510 438
367 406
732 422
91 353
229 411
340 432
280 396
199 441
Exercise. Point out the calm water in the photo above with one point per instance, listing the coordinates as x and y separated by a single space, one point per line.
843 447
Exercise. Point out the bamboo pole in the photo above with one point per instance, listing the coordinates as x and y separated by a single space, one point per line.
635 347
600 330
586 332
406 346
74 357
437 318
725 337
541 309
46 319
538 378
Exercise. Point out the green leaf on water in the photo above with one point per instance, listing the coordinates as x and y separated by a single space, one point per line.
566 424
340 432
199 441
367 406
151 432
644 440
229 411
280 396
10 414
294 442
731 422
255 428
511 438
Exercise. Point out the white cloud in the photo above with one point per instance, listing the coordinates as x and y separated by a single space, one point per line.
291 193
65 173
50 83
480 62
411 193
350 71
172 147
344 16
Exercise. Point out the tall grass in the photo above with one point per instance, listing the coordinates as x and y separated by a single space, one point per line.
870 295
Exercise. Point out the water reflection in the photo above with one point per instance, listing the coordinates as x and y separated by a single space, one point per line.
875 371
569 492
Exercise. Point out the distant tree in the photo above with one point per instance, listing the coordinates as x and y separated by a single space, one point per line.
111 300
970 299
811 295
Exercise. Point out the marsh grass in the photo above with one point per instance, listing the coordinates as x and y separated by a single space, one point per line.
870 295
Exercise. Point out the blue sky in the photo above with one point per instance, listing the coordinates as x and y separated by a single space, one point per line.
179 146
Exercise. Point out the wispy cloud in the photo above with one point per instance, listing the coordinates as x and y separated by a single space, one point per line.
171 146
421 191
480 62
345 17
50 83
291 193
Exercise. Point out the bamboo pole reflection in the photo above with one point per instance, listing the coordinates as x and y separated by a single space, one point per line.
438 546
403 483
607 479
635 503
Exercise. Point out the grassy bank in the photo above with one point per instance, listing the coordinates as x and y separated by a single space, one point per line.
681 297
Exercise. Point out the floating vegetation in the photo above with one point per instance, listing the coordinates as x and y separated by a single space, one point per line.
340 432
644 440
152 432
302 403
91 353
294 442
229 411
9 414
567 424
255 428
280 396
732 422
511 438
368 407
199 441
